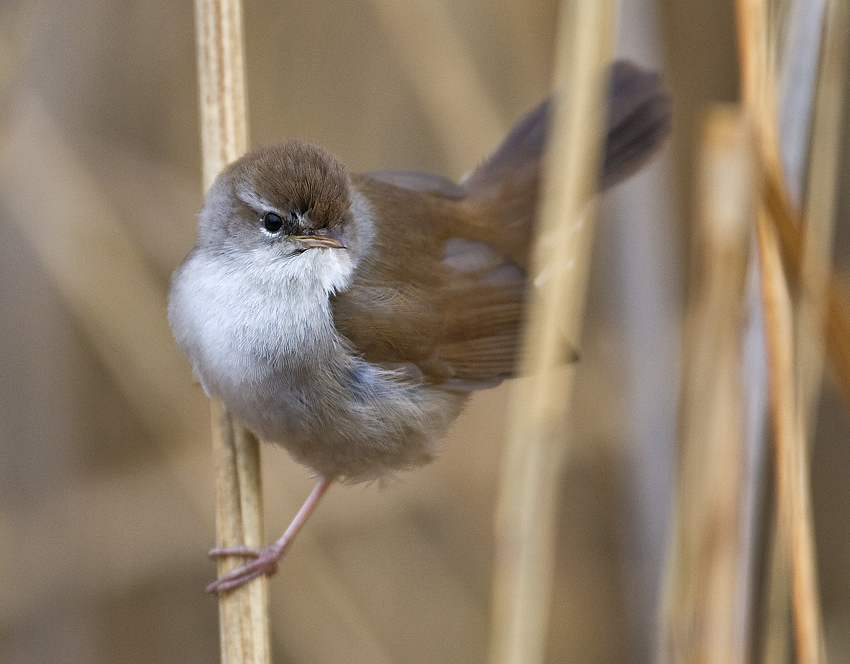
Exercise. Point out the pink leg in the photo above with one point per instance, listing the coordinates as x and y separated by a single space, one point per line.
266 560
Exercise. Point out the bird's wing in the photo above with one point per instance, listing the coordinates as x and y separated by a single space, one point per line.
442 307
442 289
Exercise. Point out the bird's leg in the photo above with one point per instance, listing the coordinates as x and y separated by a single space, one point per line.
265 560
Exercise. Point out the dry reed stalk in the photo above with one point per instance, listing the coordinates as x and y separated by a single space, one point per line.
243 612
757 58
756 61
795 527
837 339
837 333
819 214
801 25
803 21
526 511
814 268
705 614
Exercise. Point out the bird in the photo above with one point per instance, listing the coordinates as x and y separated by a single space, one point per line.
348 317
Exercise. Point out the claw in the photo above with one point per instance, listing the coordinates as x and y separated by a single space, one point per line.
246 551
265 563
265 560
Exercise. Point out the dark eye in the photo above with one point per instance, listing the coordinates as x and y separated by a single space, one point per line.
272 222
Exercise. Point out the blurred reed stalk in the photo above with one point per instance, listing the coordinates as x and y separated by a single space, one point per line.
791 392
795 528
817 288
788 220
837 314
705 613
820 203
243 612
527 505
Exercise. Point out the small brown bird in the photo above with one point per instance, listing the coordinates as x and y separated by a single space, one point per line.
348 317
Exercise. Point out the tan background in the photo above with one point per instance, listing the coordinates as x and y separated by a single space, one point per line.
105 479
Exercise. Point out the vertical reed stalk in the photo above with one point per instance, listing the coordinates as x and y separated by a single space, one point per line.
819 214
525 518
705 613
816 267
243 612
795 528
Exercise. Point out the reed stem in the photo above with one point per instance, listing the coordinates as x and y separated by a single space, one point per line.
243 612
795 528
705 613
526 511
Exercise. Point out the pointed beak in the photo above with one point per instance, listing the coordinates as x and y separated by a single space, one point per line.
321 240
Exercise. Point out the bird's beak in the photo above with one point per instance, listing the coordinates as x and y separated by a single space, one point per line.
322 240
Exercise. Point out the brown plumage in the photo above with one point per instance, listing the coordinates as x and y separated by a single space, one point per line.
408 304
348 317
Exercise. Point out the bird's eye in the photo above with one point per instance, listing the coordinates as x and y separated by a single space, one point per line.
272 222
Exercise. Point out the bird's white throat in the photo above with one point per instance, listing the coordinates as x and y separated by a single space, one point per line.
236 318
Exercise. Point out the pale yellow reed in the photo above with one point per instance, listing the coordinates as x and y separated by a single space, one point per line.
526 507
243 612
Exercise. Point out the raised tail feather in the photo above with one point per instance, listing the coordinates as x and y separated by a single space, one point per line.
639 112
505 186
639 115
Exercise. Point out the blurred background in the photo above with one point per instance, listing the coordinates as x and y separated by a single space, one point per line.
106 504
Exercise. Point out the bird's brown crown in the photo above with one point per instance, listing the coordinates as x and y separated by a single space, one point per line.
300 177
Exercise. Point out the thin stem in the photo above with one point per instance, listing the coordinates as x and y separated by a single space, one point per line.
704 617
526 511
243 613
795 527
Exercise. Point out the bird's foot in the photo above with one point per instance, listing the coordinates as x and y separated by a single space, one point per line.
245 551
264 562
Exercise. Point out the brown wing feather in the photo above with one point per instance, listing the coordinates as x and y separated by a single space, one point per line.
406 304
443 286
389 311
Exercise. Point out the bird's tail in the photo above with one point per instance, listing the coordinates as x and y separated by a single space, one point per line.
504 187
639 115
